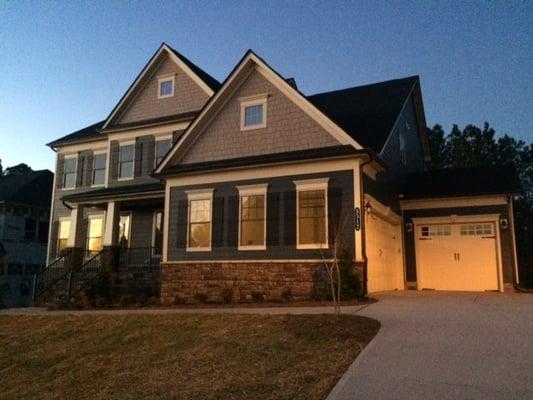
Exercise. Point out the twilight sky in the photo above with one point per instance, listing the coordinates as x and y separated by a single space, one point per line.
64 65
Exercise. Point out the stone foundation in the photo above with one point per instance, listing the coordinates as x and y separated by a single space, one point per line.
242 282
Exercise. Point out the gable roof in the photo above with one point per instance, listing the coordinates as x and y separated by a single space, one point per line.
88 133
455 182
202 78
240 72
33 188
367 113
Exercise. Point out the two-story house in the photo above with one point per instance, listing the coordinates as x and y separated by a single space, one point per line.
243 187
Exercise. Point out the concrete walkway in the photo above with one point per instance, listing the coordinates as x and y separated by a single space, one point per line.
445 345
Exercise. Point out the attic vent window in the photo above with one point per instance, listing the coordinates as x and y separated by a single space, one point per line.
166 87
253 112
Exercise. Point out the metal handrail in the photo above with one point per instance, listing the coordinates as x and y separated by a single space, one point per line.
56 270
83 275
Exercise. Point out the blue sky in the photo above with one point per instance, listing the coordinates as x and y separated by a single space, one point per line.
64 65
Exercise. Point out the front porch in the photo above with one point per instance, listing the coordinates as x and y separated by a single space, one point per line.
120 239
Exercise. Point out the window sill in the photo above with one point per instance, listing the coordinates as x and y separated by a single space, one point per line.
198 249
252 127
129 178
98 186
251 248
68 188
317 246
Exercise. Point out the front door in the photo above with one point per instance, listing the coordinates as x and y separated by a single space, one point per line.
157 234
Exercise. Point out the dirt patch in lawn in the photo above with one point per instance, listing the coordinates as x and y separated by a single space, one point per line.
178 356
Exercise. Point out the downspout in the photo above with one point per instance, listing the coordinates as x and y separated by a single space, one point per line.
363 227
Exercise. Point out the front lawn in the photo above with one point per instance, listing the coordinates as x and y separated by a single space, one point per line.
178 356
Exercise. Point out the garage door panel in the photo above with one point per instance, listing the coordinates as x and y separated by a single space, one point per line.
457 256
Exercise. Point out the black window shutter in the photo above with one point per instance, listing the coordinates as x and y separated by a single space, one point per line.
233 220
80 167
53 240
218 222
272 219
181 231
88 175
149 155
59 170
138 157
289 218
336 218
113 160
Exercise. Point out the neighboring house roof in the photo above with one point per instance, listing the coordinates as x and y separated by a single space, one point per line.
368 113
33 188
454 182
86 134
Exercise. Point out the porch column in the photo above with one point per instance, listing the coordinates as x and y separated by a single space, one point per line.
358 205
111 224
110 254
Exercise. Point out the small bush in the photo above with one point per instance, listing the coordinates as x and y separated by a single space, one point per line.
350 282
258 297
286 295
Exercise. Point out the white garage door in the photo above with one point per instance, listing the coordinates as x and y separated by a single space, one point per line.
460 256
384 254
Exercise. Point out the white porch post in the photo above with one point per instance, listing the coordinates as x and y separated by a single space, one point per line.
358 204
111 224
76 221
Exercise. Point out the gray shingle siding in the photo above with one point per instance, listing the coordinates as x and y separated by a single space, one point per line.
505 236
281 219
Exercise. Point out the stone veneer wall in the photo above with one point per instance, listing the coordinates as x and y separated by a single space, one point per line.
242 282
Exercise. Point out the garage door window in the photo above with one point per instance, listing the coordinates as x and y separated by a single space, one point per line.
436 230
476 229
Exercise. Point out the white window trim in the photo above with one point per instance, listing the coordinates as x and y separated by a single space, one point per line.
71 156
253 190
159 139
256 100
307 185
95 153
120 145
200 194
160 80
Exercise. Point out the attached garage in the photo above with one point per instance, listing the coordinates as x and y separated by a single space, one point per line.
384 253
458 253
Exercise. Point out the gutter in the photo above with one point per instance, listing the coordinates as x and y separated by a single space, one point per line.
363 226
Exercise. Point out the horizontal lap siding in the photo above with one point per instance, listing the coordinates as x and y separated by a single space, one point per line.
505 236
281 224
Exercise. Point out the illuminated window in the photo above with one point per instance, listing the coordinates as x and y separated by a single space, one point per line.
312 215
64 231
94 234
252 217
199 226
124 225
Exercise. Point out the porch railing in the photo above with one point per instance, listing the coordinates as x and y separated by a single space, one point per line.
49 275
139 259
84 275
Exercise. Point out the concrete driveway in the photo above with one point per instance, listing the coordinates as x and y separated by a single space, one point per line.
445 345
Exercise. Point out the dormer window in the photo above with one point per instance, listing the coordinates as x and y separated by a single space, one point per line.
166 87
253 112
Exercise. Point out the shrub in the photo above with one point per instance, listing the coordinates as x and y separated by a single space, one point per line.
258 297
350 282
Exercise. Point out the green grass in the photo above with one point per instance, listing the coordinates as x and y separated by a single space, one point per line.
178 356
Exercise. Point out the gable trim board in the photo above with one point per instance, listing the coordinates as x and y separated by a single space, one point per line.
250 62
164 48
452 202
458 219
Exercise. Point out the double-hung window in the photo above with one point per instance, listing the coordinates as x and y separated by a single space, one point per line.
63 234
252 217
312 214
253 112
126 160
162 146
69 172
99 164
95 231
199 229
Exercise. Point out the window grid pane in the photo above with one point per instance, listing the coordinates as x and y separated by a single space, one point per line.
199 223
161 149
252 220
253 115
99 169
312 217
125 168
165 88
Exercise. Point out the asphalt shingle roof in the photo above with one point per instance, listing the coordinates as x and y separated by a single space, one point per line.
453 182
87 133
367 113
